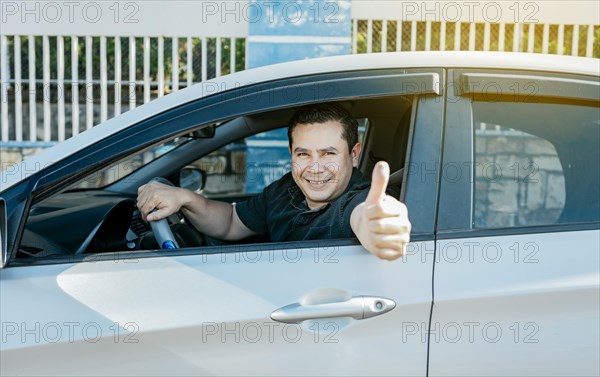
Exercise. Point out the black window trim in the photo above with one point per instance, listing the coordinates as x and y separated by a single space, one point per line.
542 86
229 249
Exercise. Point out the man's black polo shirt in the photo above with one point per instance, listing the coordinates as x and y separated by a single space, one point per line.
281 213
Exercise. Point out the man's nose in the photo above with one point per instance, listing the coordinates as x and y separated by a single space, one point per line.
316 166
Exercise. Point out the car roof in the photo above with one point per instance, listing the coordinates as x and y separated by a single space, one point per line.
420 59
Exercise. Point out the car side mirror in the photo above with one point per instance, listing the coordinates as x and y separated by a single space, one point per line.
192 178
3 236
206 132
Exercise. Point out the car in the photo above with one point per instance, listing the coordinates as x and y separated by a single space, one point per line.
496 156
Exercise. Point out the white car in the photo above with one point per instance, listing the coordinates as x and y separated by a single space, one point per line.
497 157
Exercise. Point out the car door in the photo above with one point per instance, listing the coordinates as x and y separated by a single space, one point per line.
209 310
517 263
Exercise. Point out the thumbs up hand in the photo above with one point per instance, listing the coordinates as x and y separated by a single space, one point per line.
381 221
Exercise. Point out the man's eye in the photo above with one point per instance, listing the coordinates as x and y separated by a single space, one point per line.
329 153
302 154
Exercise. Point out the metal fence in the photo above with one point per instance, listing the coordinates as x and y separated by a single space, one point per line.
59 86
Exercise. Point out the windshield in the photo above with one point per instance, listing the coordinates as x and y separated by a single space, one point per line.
127 166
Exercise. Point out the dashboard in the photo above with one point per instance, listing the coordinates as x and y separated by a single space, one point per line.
80 222
98 221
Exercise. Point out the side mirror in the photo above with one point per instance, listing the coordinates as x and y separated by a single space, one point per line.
206 132
192 178
3 236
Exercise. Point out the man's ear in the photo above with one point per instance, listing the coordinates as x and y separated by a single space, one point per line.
355 153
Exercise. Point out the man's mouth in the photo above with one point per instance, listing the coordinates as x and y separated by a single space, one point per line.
317 183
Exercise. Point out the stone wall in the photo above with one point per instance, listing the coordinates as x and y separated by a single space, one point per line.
519 180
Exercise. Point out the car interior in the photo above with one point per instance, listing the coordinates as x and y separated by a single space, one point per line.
98 215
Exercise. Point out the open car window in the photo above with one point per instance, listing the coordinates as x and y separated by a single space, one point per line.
103 219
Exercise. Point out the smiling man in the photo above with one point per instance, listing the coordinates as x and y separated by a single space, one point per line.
324 196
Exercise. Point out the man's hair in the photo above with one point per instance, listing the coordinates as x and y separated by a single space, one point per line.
325 112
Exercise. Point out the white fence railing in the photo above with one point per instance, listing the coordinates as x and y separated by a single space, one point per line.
104 76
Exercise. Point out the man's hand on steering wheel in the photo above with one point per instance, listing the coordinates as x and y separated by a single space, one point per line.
167 200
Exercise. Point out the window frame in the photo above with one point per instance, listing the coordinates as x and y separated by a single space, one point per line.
457 196
213 109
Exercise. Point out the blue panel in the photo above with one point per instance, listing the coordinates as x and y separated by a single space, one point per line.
264 165
270 53
331 18
267 159
278 134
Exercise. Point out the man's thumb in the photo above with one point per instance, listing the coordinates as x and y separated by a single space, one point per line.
379 182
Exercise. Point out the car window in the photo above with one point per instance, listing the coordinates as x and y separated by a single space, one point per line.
107 220
535 164
248 165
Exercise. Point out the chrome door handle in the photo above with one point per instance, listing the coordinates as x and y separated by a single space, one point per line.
357 307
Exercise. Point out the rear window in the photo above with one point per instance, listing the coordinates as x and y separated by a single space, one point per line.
536 164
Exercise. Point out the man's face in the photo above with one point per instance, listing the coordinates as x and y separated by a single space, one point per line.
321 162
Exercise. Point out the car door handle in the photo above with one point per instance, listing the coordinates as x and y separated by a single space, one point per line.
357 307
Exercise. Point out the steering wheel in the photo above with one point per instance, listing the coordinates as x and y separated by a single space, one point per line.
109 233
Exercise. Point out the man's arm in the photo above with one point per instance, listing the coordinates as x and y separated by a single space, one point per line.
381 222
211 217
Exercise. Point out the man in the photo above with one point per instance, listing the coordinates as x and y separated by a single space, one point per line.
324 196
